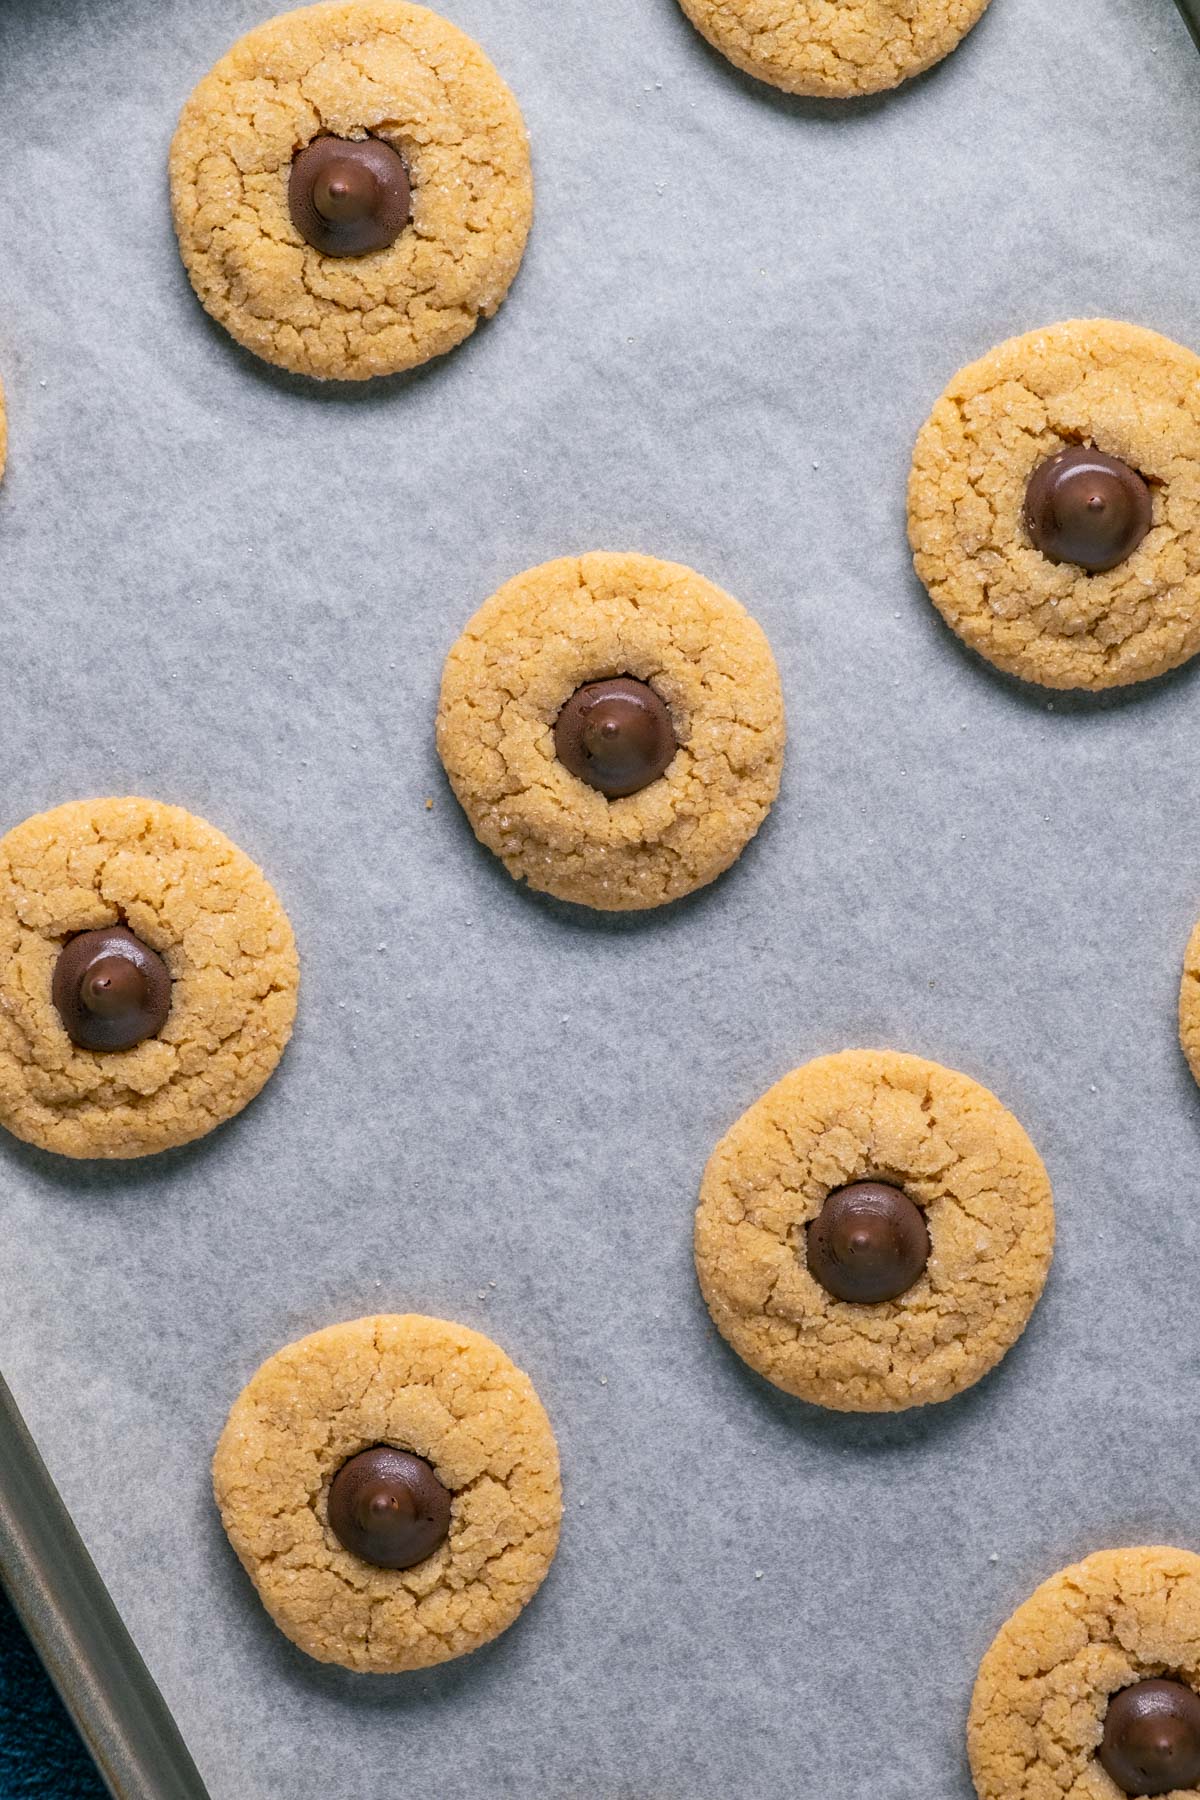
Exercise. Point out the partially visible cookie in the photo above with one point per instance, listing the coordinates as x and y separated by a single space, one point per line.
1054 505
351 188
391 1487
1189 1003
148 978
834 48
613 727
874 1232
1099 1653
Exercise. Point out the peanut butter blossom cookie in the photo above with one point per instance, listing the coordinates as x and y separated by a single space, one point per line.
147 978
613 726
391 1487
834 48
874 1233
351 189
1092 1689
1054 505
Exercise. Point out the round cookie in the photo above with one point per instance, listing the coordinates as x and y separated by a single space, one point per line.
834 49
1045 1686
874 1116
439 1392
580 620
378 68
193 900
1117 389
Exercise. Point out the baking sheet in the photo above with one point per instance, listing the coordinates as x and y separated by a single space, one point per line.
231 589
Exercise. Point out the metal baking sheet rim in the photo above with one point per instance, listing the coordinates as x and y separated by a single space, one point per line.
71 1619
78 1633
1191 12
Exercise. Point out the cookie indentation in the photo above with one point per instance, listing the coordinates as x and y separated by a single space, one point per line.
616 735
868 1244
388 1507
1151 1742
349 195
111 990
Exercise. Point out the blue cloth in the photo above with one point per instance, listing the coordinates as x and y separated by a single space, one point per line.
41 1758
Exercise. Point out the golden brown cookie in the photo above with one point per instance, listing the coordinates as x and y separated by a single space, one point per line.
1189 1004
953 1151
197 902
558 628
448 1396
378 68
1044 1687
834 48
1114 388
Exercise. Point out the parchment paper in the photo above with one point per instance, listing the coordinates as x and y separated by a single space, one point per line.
232 589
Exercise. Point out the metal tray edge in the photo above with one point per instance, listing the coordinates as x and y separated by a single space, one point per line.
70 1617
1191 13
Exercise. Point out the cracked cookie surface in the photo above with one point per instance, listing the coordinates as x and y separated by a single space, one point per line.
185 890
1189 1004
1037 1715
440 1391
378 68
834 48
959 1155
581 619
1099 384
